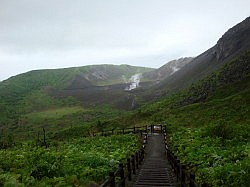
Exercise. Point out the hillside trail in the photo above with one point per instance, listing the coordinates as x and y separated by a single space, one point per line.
155 170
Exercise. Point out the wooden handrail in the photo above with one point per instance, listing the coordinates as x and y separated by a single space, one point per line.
186 179
123 131
130 166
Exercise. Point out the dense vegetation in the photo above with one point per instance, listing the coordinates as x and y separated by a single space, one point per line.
60 122
208 124
27 92
75 162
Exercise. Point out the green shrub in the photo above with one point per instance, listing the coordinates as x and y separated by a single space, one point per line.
221 129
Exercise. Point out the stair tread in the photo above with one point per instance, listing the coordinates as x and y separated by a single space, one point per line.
155 169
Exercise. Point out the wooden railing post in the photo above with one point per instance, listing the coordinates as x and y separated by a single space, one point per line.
137 160
133 164
134 129
139 156
182 176
129 169
38 138
175 165
170 158
44 138
192 179
145 140
204 185
143 152
167 153
122 174
178 168
112 179
123 131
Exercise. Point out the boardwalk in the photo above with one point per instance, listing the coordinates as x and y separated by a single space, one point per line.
155 170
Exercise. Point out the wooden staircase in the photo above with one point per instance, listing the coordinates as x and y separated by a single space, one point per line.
155 170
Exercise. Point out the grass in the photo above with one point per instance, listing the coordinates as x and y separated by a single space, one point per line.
208 125
55 114
211 137
22 93
63 122
70 163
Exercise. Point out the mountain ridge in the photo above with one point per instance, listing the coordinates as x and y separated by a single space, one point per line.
97 85
204 106
234 42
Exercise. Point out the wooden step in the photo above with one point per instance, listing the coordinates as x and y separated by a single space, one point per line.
155 170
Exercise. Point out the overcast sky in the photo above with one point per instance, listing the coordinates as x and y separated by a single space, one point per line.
42 34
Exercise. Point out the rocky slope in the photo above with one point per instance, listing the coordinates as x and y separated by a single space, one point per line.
167 70
234 42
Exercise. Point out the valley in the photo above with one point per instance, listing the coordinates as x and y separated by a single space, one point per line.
204 102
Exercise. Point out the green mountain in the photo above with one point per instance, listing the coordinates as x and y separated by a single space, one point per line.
234 42
76 77
93 86
203 101
32 91
28 100
208 124
206 109
228 81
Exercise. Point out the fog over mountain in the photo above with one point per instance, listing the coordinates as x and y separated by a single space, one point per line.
57 34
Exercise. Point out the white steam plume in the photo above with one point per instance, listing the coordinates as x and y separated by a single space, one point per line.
134 81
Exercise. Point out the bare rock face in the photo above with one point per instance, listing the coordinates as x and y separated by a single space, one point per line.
167 70
235 40
97 75
79 82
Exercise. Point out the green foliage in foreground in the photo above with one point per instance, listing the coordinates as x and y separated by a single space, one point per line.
75 163
216 161
208 124
212 138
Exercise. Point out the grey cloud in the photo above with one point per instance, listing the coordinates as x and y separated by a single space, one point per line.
38 34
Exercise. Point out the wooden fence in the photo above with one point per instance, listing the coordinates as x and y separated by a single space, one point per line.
185 178
125 171
132 130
